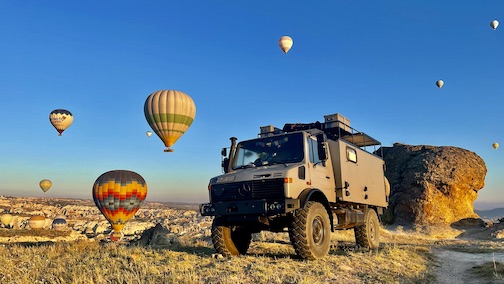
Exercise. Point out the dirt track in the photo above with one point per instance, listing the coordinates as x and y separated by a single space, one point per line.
460 258
454 266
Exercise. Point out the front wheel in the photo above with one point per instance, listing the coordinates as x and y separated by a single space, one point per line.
230 240
368 235
310 232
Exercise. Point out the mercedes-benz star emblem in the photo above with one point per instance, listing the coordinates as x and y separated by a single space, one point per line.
245 189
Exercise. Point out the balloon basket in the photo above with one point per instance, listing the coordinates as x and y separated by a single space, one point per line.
116 236
168 150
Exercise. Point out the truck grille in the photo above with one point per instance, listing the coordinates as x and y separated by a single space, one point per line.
248 190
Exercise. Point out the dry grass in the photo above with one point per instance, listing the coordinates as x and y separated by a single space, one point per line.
270 260
489 272
404 257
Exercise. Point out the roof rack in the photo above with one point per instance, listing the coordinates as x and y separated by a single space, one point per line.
335 126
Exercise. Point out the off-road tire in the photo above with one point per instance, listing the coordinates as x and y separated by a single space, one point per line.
310 231
230 240
368 235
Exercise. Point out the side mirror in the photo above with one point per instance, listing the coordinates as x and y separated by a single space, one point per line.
225 165
224 152
322 152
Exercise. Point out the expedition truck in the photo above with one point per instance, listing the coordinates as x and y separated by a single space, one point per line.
307 179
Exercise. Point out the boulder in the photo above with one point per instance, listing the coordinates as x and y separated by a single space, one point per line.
432 185
159 237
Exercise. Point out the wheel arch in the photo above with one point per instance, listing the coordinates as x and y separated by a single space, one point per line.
313 194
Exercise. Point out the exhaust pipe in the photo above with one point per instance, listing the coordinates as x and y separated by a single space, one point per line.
229 160
232 151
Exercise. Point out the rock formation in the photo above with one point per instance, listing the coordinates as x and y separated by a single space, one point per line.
155 224
432 185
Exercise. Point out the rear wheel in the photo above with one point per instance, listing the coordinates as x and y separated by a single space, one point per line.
310 232
230 240
368 235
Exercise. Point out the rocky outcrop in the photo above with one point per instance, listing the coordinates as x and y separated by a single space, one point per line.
432 185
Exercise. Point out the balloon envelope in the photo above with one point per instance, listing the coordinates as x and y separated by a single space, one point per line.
149 133
439 83
495 145
45 184
285 43
6 219
169 113
59 224
37 222
494 24
61 119
118 195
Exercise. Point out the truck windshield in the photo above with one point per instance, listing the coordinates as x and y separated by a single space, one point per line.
270 150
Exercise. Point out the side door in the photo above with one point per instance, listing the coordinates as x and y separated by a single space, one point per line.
321 175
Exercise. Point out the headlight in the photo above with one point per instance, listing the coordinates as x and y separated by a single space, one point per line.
275 206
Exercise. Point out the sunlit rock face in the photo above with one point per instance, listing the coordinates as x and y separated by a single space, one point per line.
432 185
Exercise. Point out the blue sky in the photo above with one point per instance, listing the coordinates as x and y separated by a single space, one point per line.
375 62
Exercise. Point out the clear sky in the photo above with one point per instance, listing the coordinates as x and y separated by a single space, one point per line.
375 62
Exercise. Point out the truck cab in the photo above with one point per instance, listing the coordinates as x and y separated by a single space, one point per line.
307 179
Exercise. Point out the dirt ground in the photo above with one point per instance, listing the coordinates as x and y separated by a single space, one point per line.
474 256
461 267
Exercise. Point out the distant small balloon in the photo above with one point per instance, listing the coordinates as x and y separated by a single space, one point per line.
45 184
149 133
285 43
494 24
37 222
61 119
6 219
59 224
495 145
439 83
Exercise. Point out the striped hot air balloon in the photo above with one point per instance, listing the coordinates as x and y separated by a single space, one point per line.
169 113
59 224
37 222
61 119
118 195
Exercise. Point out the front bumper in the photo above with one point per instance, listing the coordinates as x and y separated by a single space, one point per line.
250 207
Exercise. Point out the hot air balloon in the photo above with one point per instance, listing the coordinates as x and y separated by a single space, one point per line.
495 145
439 83
169 113
285 43
149 133
61 119
6 219
45 184
494 24
59 224
37 222
118 194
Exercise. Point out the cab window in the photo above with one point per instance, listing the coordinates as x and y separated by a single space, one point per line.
313 149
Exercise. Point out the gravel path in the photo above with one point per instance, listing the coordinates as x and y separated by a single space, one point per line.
454 266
